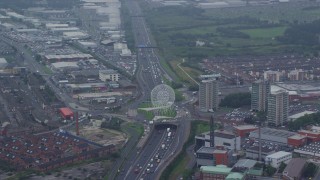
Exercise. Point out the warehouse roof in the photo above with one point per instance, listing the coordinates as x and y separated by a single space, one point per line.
297 137
66 111
278 154
219 169
235 176
208 150
274 132
59 65
247 163
68 56
245 127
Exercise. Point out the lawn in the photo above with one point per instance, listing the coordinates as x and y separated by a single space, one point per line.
265 33
138 127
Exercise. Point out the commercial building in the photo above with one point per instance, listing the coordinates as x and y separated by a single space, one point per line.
219 172
66 57
208 95
66 113
108 75
278 108
87 44
299 115
272 135
3 63
74 35
85 75
253 152
224 139
294 169
86 87
297 75
259 95
205 157
277 158
297 140
311 150
311 136
63 66
244 130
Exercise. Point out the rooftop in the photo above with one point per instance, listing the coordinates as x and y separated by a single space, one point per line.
219 169
68 56
207 150
245 127
310 148
278 154
309 132
235 176
294 167
108 71
65 64
275 132
3 60
247 163
297 137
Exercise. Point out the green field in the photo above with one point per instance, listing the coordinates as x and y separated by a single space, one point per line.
265 33
251 30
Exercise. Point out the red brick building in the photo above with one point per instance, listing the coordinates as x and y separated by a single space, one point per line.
66 113
297 140
312 136
244 130
221 157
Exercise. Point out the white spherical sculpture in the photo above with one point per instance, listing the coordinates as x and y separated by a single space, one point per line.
162 96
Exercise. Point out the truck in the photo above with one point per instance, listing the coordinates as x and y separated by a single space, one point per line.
163 146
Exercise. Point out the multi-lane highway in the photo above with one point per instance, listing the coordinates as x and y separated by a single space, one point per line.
148 160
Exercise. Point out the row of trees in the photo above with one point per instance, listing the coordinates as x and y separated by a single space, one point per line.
236 100
303 121
302 34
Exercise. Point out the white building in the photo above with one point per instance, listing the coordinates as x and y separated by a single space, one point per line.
272 76
65 66
87 44
221 138
277 158
109 74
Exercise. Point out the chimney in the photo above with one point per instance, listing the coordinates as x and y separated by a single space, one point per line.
212 131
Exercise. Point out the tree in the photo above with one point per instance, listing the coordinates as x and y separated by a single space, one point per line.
269 170
236 100
310 170
282 167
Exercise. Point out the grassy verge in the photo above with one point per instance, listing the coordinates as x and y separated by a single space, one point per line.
138 127
182 75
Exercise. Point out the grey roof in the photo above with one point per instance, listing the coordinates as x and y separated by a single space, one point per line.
294 168
274 132
246 163
90 72
206 150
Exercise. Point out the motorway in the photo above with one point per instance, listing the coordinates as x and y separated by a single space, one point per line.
145 163
151 156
